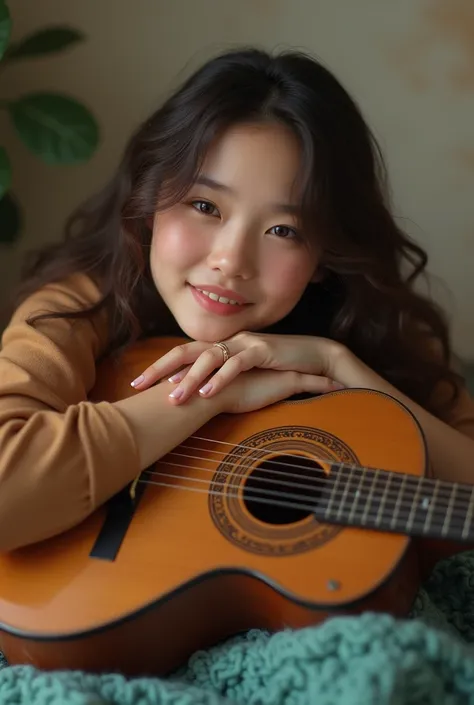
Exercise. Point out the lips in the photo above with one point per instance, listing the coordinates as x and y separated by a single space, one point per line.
228 294
217 305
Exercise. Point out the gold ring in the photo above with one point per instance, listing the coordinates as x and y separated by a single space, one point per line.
225 350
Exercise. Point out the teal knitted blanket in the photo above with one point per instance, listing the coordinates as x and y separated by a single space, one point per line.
366 660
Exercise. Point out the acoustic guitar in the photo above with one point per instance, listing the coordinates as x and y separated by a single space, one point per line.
273 519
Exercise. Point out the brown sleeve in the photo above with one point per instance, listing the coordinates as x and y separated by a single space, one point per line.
61 456
461 415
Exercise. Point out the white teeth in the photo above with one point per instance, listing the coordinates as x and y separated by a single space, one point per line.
221 299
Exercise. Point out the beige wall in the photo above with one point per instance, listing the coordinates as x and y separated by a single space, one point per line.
410 63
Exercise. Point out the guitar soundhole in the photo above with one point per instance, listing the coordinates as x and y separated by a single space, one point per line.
274 483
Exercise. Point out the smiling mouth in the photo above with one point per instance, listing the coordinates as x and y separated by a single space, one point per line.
217 304
220 299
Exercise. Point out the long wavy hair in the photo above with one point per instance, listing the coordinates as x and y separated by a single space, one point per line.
367 298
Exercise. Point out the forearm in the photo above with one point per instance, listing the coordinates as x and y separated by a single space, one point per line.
158 425
55 469
450 452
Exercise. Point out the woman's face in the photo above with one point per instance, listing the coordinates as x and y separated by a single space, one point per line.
229 257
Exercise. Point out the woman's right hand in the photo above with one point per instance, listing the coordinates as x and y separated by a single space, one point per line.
257 388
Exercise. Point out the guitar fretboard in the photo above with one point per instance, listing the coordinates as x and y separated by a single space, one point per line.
388 501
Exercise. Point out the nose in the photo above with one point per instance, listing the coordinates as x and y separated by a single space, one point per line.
233 253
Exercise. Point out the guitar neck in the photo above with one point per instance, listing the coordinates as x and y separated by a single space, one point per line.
388 501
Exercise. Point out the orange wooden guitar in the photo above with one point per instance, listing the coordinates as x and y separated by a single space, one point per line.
276 518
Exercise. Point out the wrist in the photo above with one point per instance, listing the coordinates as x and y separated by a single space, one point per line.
340 362
158 425
349 370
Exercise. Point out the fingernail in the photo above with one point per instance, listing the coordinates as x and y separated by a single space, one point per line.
336 385
136 381
175 378
206 389
177 393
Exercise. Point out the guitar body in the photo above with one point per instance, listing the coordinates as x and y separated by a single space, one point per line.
199 560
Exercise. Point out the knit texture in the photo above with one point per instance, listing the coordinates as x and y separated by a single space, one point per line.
367 660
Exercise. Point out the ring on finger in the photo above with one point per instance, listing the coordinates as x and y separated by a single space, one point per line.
225 350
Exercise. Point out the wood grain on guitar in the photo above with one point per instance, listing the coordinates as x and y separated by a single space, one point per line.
276 518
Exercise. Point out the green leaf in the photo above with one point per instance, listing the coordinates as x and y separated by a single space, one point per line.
5 172
10 220
5 26
56 128
46 41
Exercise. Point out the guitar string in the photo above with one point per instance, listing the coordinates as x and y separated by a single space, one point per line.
289 505
387 497
441 483
415 481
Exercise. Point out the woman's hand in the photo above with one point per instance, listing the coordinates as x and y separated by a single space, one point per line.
257 388
307 355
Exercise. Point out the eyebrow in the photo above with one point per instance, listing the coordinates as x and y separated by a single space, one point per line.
204 180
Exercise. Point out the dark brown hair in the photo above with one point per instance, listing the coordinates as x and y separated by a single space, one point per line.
366 299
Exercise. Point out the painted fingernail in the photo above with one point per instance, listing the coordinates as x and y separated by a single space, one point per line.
176 378
136 381
206 389
177 393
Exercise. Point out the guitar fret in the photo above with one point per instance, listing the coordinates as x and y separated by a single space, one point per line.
461 504
429 515
447 519
344 495
369 498
414 506
357 495
333 494
398 502
378 518
468 520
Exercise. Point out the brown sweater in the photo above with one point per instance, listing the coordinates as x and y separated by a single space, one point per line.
62 456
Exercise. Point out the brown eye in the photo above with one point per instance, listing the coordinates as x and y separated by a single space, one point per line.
284 231
205 207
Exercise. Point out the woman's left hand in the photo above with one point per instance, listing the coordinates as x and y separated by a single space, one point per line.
198 360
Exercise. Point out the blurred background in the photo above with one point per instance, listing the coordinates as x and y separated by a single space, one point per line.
409 64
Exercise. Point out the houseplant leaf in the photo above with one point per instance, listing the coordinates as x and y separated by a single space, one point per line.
10 220
56 128
46 41
5 172
5 27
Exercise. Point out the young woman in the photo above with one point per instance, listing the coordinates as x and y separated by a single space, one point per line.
250 211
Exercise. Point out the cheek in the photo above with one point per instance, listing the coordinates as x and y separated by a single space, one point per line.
174 242
287 276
